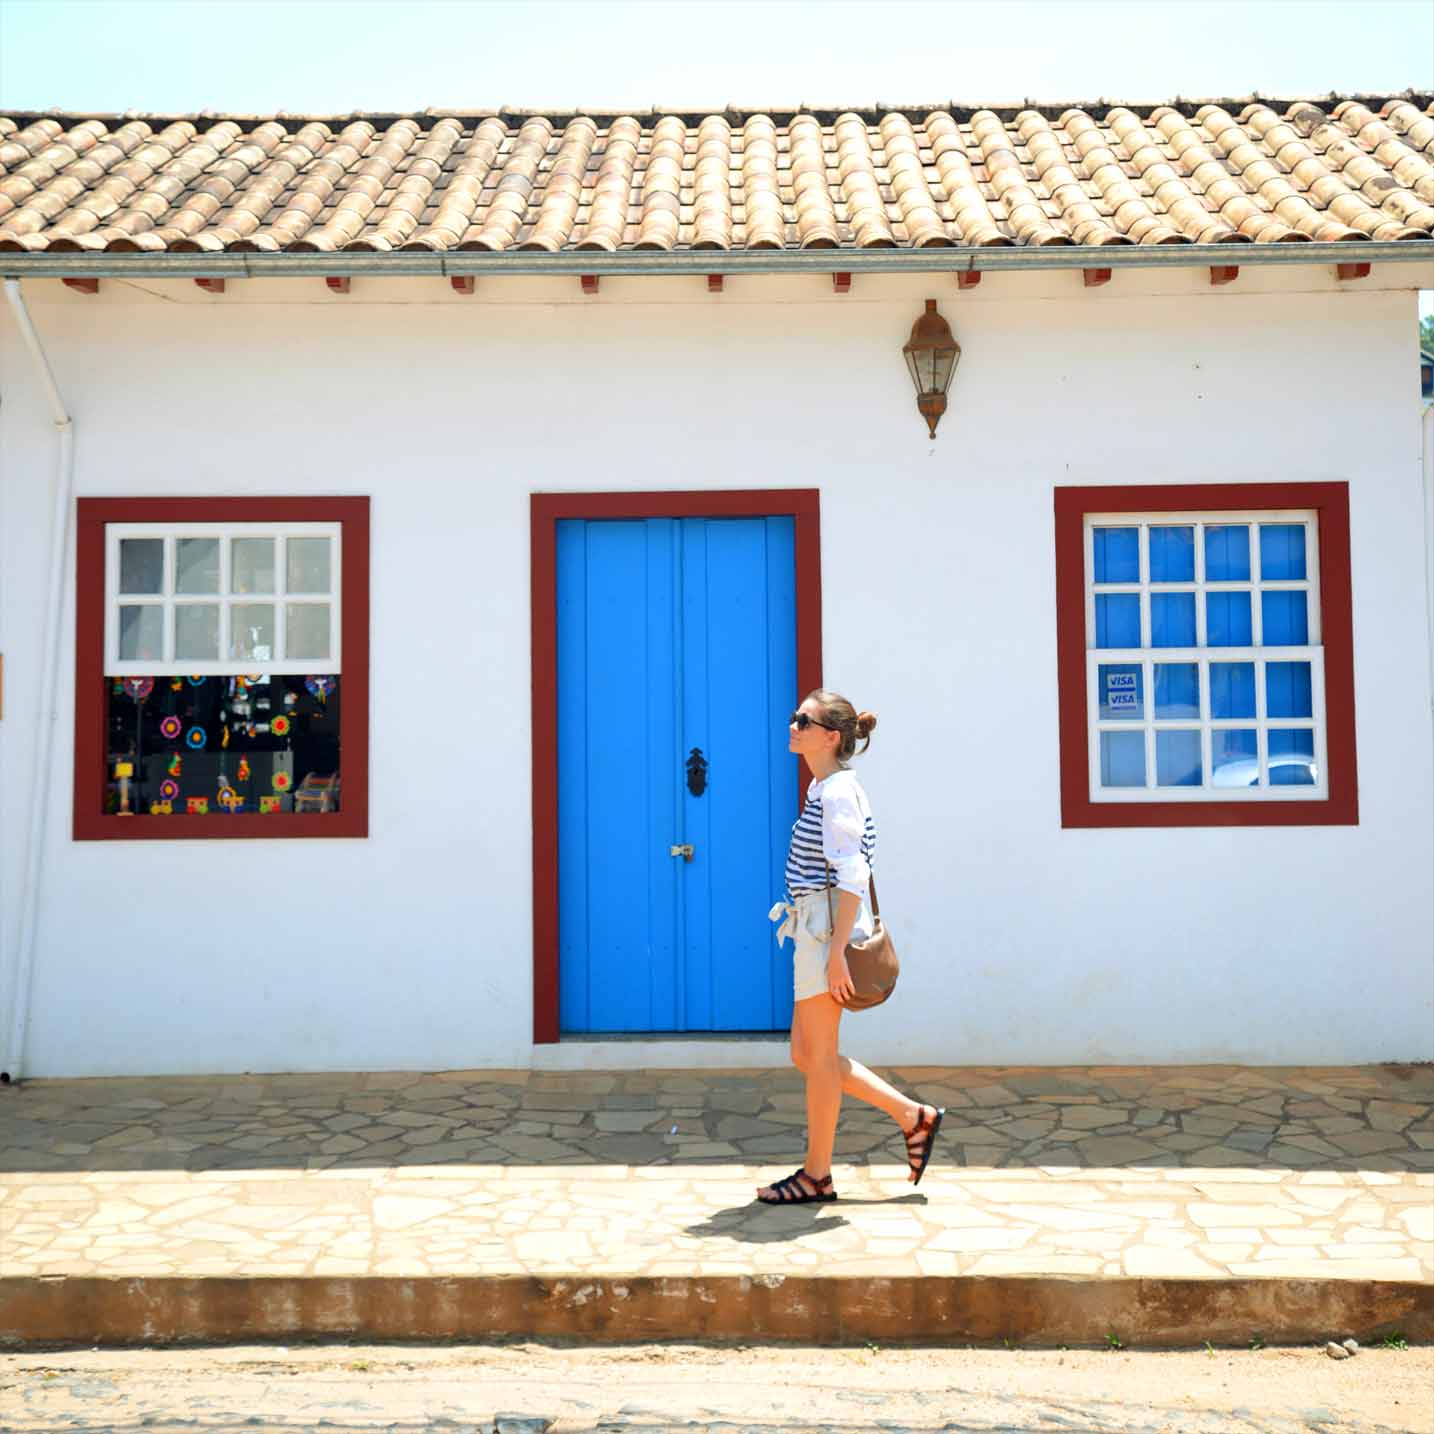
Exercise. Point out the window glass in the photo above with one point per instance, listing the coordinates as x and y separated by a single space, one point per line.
306 629
141 565
1234 757
251 631
1177 759
1172 555
1122 759
251 565
196 631
1227 553
1288 690
1227 620
213 746
1232 690
1285 619
308 565
1177 690
1292 757
1117 555
1122 693
141 632
1282 551
196 565
1172 619
1117 620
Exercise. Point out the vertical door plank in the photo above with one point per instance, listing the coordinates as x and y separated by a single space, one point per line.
617 913
696 878
783 769
573 1012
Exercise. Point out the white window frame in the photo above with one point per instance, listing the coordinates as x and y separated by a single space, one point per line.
168 600
1147 658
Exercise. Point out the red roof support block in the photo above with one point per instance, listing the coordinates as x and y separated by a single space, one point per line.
1095 277
590 283
1224 273
1352 271
211 286
82 286
967 278
338 285
462 283
714 283
841 283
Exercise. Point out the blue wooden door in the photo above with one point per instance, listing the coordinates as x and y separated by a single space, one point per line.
676 670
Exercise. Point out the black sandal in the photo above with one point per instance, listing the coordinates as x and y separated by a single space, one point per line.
799 1188
918 1156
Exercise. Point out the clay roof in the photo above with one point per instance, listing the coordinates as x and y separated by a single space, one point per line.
1031 175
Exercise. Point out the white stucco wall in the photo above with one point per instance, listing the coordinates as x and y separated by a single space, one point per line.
1021 942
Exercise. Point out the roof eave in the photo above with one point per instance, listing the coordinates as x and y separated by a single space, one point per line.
935 260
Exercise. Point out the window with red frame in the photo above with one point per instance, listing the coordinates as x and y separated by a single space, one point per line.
1206 671
222 668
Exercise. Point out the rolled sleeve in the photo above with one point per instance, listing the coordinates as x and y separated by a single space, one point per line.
843 825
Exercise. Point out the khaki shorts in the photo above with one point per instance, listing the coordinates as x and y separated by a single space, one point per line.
807 920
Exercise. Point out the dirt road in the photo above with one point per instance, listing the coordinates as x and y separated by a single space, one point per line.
565 1387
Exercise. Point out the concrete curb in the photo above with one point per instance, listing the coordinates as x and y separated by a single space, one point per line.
1031 1311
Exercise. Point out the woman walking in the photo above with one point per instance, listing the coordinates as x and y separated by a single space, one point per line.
833 843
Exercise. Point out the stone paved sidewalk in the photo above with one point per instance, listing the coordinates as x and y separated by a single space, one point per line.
1205 1172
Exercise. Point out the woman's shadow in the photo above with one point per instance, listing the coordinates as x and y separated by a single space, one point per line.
760 1223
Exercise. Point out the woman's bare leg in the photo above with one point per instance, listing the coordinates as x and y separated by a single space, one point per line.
821 1018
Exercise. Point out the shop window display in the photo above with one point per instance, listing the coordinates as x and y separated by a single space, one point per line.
218 746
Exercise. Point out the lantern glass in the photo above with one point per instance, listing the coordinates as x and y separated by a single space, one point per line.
943 366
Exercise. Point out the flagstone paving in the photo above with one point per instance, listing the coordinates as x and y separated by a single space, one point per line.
1100 1172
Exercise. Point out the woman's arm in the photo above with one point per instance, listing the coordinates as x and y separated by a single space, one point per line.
839 982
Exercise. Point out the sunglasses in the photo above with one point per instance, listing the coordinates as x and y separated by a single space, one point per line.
802 720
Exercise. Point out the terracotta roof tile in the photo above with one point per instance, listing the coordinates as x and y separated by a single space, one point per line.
1235 171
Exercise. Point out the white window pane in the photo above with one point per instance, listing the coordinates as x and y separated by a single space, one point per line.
252 565
308 565
251 630
141 633
196 631
141 565
196 565
307 629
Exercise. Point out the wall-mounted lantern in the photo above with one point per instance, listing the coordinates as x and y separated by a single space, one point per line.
932 355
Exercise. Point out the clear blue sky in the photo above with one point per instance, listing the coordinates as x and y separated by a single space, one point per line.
342 55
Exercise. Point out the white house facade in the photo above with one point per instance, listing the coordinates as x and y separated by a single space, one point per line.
411 691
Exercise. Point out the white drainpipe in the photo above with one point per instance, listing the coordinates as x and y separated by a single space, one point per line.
12 1056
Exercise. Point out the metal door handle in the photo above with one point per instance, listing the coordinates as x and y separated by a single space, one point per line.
685 852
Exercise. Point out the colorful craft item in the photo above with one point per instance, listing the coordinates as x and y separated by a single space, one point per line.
268 805
124 769
171 727
227 798
196 738
161 809
282 781
254 678
280 726
168 789
176 766
197 806
243 769
224 740
290 698
320 687
139 687
197 681
117 686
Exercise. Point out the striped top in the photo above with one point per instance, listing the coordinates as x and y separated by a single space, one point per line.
835 827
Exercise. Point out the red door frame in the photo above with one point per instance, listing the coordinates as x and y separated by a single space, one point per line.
803 505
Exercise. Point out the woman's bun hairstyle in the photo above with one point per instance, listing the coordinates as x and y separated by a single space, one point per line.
844 718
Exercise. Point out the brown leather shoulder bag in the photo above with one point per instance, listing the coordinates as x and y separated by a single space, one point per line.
872 963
